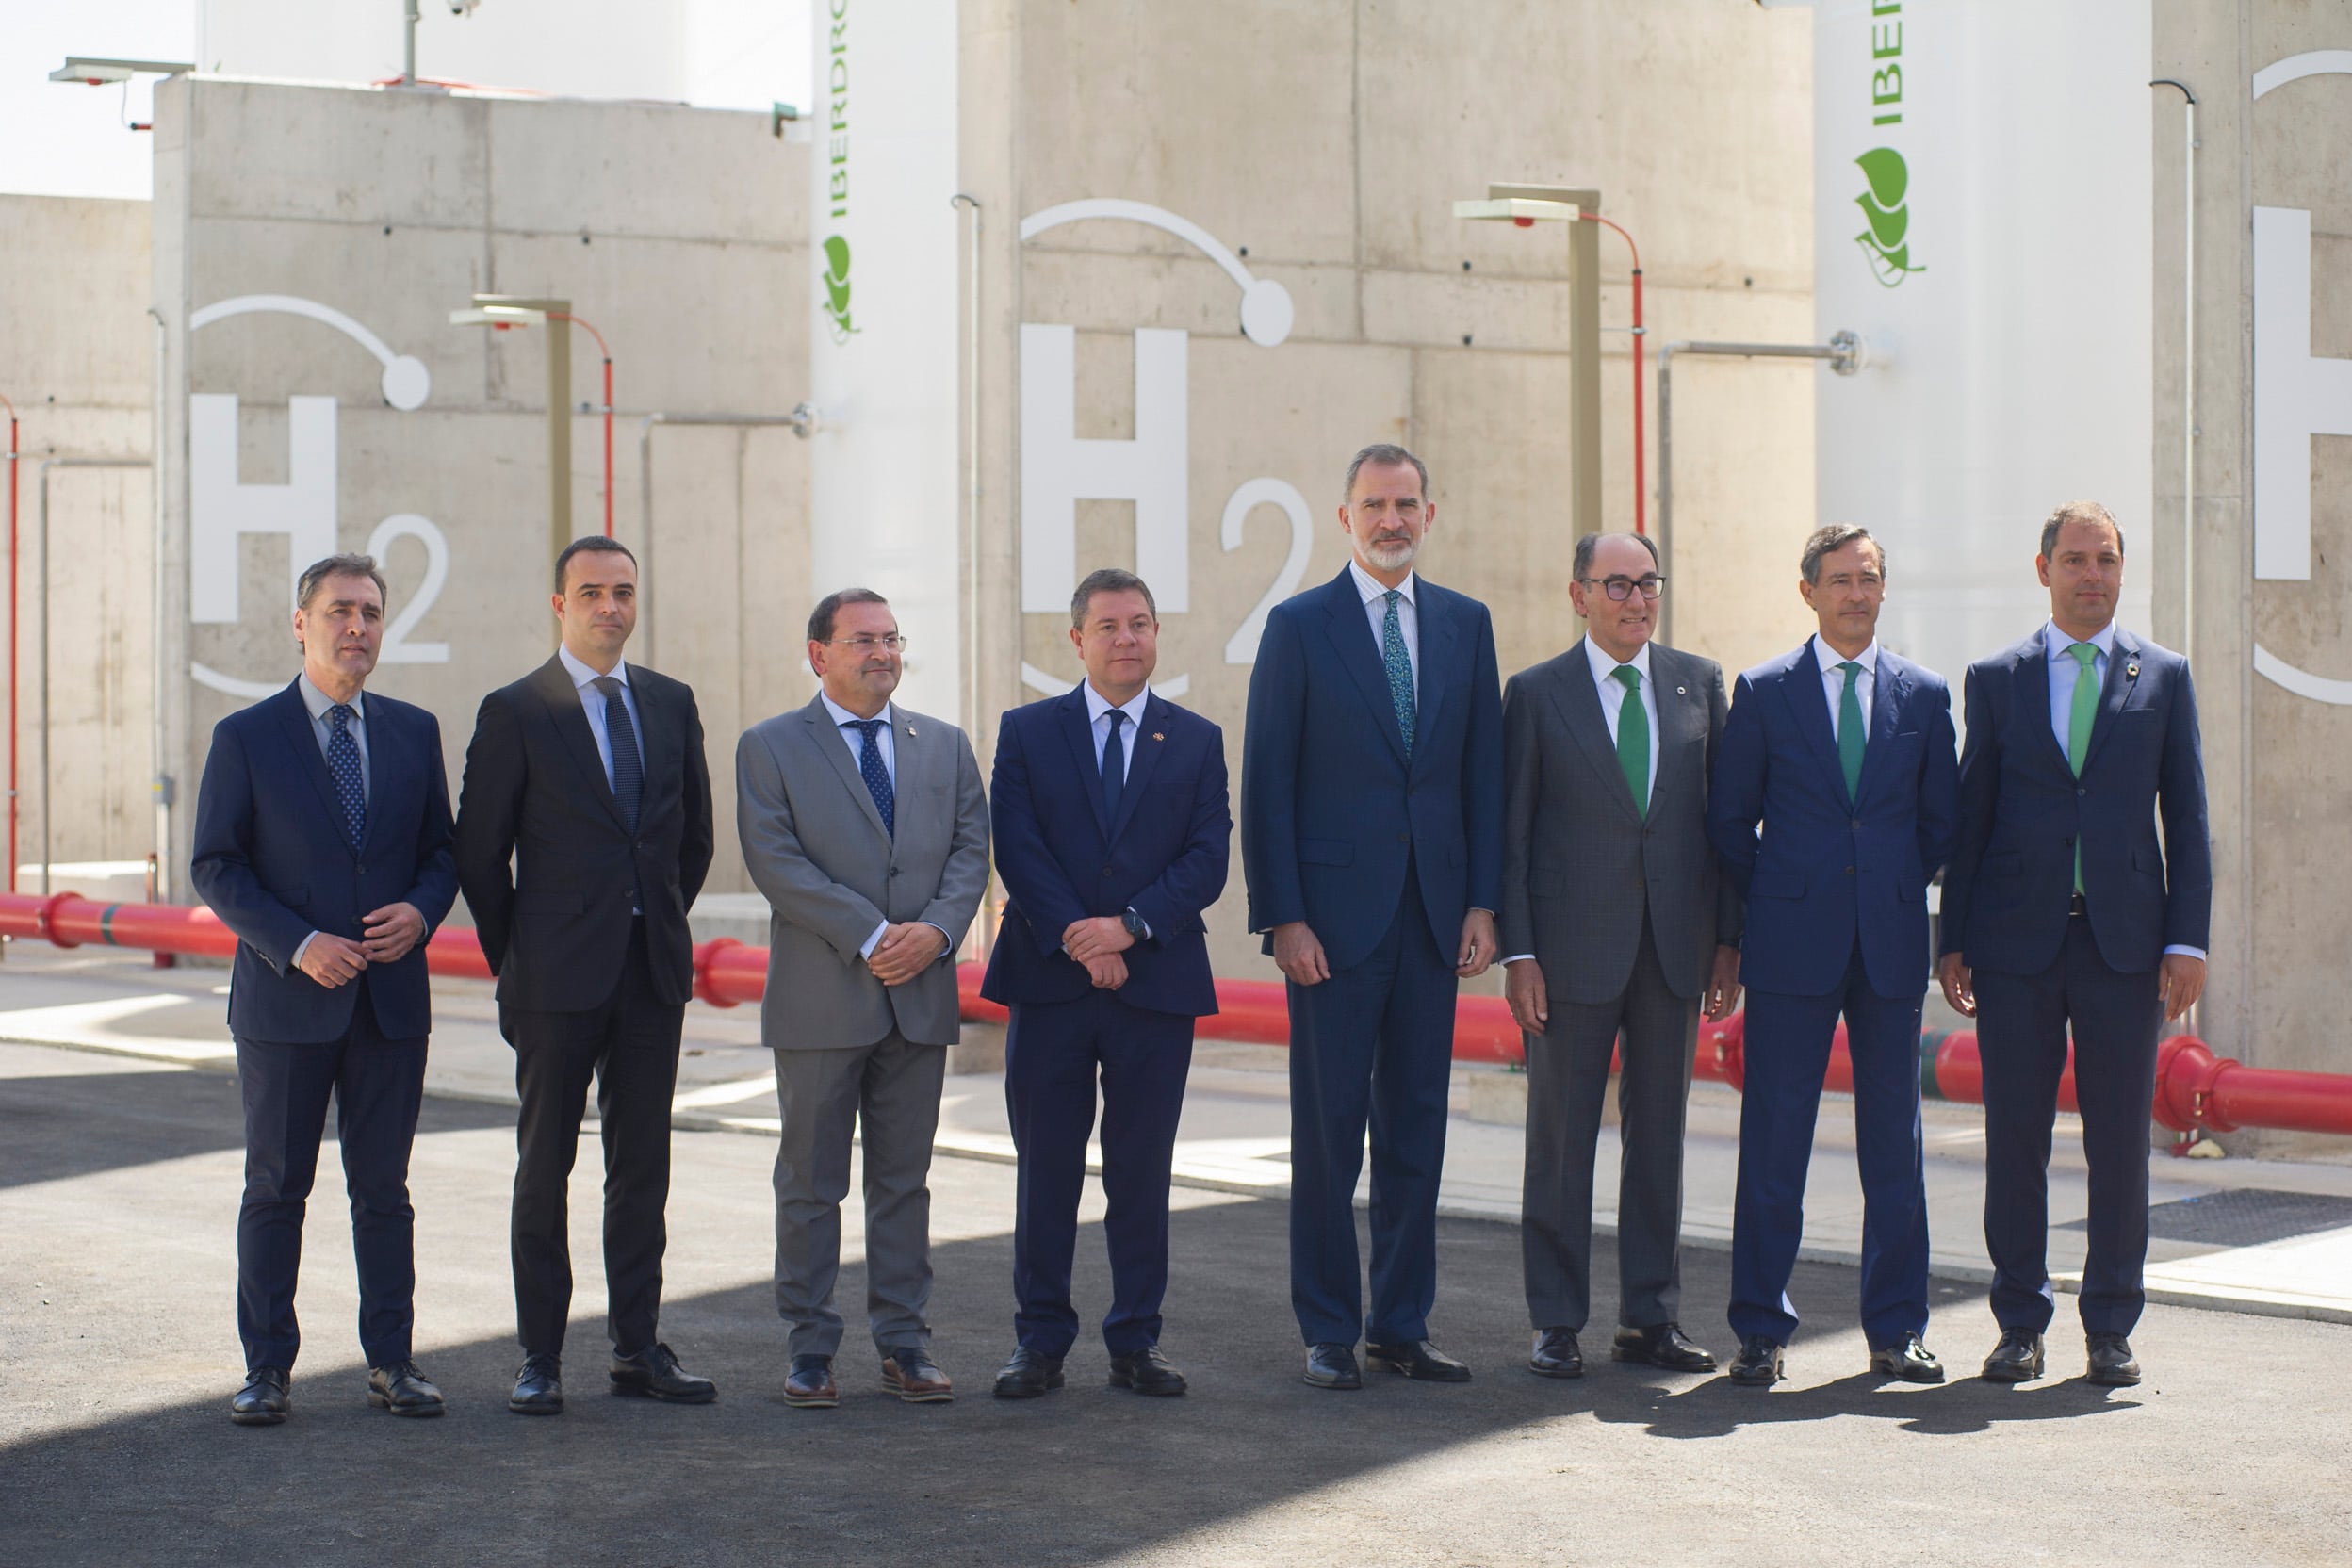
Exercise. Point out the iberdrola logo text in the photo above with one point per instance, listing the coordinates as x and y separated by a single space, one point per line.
836 287
1883 240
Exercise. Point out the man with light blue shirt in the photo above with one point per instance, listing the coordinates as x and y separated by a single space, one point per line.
864 825
2063 911
583 834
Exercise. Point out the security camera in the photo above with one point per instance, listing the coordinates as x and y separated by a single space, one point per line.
462 7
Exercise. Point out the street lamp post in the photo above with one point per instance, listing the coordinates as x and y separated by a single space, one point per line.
504 312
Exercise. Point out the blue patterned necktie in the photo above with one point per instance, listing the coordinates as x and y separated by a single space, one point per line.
878 778
1399 669
629 769
1114 767
350 787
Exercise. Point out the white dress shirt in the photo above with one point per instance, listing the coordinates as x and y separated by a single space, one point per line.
1408 618
321 709
2064 673
592 703
883 738
1613 695
1097 718
1834 679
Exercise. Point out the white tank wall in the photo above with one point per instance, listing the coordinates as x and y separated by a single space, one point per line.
2010 369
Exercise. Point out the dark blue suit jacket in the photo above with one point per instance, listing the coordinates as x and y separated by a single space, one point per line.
1332 808
2022 809
1062 860
273 861
1829 868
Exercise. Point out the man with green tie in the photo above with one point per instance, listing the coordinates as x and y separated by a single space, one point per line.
1615 920
2063 916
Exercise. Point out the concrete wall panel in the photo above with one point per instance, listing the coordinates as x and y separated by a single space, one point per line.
644 170
337 154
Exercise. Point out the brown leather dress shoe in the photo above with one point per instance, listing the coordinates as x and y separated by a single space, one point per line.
810 1385
910 1373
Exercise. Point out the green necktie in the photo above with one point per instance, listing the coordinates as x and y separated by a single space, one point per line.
1849 727
2081 715
1633 738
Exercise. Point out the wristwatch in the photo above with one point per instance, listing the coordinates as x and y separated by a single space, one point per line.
1135 924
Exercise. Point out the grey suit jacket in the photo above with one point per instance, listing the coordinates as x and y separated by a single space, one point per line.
1580 867
816 847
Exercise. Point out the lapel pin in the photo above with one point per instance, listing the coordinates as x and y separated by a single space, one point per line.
1157 736
1682 691
2133 670
910 732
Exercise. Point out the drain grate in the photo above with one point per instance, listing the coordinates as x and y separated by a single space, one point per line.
2244 1217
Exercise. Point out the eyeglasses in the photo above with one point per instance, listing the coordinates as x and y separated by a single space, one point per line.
863 645
1620 588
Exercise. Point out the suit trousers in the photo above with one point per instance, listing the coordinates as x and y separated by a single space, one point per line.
2021 1029
377 1085
1787 1045
1051 1055
886 1093
1374 1044
1567 1078
628 1043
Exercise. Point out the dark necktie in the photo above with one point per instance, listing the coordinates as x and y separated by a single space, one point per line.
878 778
1399 665
1113 768
629 769
350 788
1850 726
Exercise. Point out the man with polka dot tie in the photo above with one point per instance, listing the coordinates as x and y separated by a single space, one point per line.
323 840
583 834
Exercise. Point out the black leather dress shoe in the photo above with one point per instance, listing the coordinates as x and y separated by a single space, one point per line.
538 1387
655 1374
810 1385
1419 1360
405 1390
1147 1371
2113 1366
1911 1360
263 1401
915 1378
1029 1374
1333 1366
1664 1345
1758 1363
1556 1355
2017 1359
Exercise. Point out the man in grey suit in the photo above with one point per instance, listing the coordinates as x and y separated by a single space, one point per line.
1615 919
864 825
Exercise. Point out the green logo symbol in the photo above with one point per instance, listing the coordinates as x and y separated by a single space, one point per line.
836 287
1883 242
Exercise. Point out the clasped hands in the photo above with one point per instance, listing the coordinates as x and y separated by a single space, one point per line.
1097 943
906 949
390 933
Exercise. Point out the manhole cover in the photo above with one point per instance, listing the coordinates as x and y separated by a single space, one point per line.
2244 1217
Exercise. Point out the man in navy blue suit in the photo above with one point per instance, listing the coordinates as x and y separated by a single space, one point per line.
2063 911
1835 793
1110 812
1371 838
323 840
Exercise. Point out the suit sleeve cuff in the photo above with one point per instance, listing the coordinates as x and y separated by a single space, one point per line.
867 949
303 946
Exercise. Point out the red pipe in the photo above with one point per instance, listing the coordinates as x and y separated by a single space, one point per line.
604 350
2194 1088
1639 485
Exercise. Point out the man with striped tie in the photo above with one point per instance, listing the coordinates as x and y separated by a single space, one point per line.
583 833
323 840
2065 916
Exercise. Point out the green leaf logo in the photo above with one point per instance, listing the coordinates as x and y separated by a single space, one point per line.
1883 241
836 287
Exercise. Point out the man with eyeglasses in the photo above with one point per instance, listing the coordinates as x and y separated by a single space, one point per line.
1835 793
1616 922
864 824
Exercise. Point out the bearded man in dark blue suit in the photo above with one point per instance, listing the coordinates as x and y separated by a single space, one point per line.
323 840
2063 914
1112 832
1372 841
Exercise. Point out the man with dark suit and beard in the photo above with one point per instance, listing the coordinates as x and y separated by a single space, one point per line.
583 834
